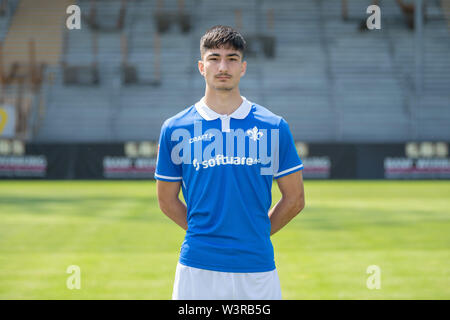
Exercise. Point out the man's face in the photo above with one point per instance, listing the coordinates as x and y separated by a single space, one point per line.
222 68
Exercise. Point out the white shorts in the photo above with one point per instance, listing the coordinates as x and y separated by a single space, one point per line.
200 284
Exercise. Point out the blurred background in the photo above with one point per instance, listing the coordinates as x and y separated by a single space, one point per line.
378 99
88 103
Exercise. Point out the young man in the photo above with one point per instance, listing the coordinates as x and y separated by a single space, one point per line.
224 152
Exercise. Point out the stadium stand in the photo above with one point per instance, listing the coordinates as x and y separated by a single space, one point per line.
31 42
133 65
7 9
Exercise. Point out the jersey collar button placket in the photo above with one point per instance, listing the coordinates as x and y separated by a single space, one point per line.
225 119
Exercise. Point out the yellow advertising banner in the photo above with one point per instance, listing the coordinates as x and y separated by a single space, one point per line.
7 121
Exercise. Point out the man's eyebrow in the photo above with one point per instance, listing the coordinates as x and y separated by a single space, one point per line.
228 55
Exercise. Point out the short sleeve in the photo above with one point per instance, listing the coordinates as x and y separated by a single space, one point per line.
166 169
289 160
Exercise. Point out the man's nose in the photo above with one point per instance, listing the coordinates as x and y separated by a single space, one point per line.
223 66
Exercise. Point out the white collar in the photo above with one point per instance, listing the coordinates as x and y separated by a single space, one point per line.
208 114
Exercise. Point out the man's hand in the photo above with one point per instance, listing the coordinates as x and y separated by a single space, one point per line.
170 204
291 203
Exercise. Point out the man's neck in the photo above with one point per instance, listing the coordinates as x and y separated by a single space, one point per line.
223 102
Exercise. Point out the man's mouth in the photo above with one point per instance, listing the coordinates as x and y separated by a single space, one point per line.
223 77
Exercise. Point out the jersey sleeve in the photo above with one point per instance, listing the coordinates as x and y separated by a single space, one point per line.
289 160
166 169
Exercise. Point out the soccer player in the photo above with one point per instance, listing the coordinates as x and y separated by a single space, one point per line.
224 152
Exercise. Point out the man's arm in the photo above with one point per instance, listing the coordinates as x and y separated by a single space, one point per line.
170 204
291 203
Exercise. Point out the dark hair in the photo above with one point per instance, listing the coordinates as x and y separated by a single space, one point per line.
222 36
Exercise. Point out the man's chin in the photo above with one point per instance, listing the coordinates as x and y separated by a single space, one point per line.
223 88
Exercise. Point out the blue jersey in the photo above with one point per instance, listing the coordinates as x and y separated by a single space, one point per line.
226 165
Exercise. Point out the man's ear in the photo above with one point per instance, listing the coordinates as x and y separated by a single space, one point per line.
243 68
201 67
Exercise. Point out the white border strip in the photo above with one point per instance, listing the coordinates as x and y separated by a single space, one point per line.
288 170
166 177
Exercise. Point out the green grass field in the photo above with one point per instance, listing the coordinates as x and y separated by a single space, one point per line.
127 249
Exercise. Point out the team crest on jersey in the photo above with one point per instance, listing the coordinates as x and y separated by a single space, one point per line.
254 133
